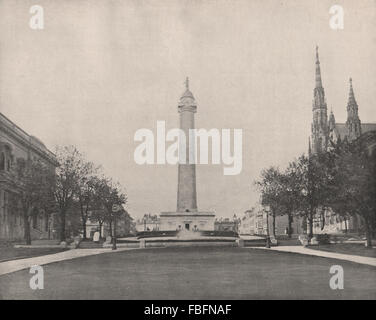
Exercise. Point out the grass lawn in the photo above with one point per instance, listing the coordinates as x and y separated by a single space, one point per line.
8 252
193 273
347 248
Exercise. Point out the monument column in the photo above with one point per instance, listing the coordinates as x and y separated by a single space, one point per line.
187 198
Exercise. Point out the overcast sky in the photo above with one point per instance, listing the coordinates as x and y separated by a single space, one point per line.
100 70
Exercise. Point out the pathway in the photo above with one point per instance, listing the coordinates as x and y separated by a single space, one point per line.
19 264
302 250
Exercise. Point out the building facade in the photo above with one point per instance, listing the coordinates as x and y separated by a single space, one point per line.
227 224
254 222
149 222
16 144
247 223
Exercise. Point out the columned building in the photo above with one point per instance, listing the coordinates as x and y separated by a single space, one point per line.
16 144
187 216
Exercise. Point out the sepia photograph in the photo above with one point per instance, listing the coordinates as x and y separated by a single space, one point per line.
194 150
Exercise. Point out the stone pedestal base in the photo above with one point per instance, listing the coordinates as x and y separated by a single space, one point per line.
192 221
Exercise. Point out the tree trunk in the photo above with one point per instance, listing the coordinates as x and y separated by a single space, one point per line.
358 224
84 227
62 225
322 213
267 231
46 217
110 227
289 216
27 234
100 229
304 224
368 233
310 223
273 224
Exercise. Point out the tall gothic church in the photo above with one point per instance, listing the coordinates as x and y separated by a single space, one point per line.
324 132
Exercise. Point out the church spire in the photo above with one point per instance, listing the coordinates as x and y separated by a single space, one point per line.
353 122
318 71
351 94
320 129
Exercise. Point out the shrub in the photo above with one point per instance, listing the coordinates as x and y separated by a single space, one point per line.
323 238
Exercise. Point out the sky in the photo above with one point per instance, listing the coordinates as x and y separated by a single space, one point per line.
101 70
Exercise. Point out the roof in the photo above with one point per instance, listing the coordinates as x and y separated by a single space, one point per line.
341 128
187 99
31 141
366 127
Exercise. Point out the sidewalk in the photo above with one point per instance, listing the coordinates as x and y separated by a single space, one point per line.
340 256
19 264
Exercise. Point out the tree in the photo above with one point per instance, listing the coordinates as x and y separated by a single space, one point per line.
126 224
34 183
106 195
271 189
313 176
69 177
354 183
290 194
86 195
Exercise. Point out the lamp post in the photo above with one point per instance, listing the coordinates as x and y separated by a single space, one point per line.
115 209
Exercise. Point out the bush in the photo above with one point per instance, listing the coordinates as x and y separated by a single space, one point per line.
220 233
323 238
150 234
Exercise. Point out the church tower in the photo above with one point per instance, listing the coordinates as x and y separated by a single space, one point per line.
353 122
320 117
187 198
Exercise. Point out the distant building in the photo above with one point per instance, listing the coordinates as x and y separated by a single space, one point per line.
282 225
227 224
260 222
149 222
125 225
247 224
16 144
253 222
93 226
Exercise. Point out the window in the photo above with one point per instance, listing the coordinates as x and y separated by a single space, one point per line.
2 161
6 159
6 204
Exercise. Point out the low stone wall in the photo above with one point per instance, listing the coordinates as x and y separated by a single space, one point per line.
153 244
